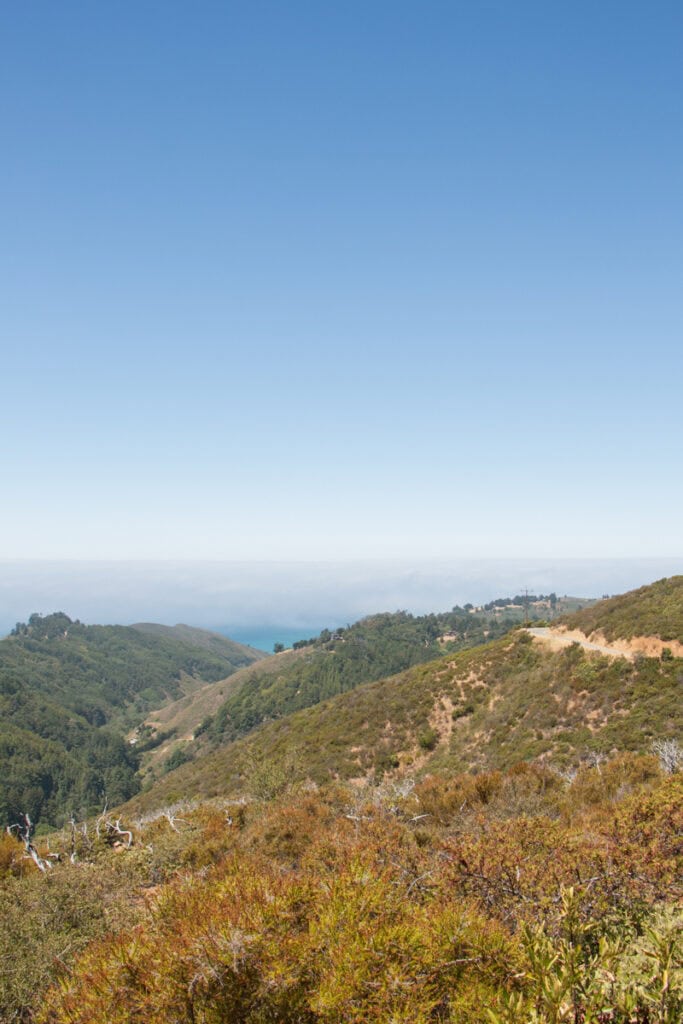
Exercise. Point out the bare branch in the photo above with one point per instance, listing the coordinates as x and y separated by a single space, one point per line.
25 833
100 820
173 820
114 828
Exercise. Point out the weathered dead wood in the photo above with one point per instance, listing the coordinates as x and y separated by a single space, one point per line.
174 820
114 829
24 832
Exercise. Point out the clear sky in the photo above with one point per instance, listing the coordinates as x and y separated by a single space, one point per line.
341 280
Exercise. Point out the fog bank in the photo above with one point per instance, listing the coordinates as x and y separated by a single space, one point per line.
247 596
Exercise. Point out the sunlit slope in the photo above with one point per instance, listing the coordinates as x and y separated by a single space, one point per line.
180 720
652 611
490 707
338 661
335 662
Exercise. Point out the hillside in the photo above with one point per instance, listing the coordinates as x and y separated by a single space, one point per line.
68 692
115 673
336 661
651 611
237 654
493 835
85 706
486 708
173 727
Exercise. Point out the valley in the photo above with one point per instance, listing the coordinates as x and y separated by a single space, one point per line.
409 818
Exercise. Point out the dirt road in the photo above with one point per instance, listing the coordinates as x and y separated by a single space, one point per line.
556 638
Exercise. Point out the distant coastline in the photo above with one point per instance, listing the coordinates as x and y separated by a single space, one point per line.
264 638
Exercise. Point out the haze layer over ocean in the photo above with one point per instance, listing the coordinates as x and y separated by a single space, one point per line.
246 598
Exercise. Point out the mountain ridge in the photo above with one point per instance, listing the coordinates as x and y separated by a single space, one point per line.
482 709
336 661
654 610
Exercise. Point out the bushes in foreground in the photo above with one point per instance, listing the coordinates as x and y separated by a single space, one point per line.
513 899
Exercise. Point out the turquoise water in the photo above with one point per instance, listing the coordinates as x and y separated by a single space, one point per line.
265 638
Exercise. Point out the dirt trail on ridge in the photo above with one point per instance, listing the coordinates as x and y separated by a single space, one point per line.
564 638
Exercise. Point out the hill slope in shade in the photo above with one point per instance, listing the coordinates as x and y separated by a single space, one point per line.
68 692
221 646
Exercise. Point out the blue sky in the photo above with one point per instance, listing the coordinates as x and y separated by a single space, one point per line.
340 281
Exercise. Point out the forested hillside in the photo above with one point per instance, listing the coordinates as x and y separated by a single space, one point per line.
67 694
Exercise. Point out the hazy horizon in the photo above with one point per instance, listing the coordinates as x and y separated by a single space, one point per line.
243 598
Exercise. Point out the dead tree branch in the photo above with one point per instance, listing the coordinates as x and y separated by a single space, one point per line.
24 832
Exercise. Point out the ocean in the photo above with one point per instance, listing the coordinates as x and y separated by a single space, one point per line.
265 638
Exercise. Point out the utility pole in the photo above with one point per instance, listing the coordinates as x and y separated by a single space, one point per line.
526 607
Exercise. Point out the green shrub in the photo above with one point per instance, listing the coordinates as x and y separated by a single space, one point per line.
428 739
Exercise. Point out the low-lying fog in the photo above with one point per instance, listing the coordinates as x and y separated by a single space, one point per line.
243 599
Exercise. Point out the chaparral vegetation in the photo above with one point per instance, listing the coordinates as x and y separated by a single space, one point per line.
493 836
